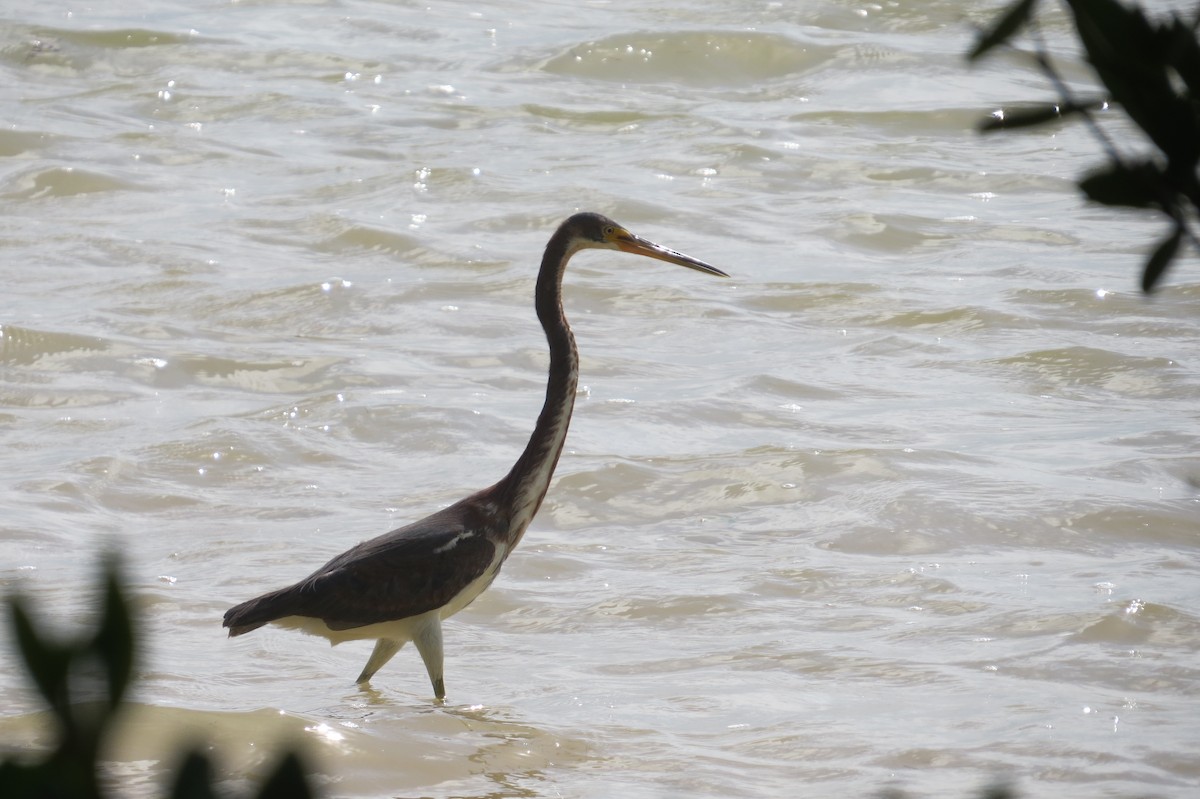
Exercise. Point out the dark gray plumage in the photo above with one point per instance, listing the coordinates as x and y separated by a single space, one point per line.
398 587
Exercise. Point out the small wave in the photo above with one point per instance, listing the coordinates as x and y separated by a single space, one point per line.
703 58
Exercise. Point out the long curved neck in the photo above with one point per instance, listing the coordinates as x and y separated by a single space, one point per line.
525 485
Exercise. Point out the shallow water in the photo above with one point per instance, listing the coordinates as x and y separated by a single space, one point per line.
911 502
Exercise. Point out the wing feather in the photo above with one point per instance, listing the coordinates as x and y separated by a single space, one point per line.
404 573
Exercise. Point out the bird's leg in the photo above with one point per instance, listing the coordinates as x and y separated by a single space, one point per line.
385 648
428 638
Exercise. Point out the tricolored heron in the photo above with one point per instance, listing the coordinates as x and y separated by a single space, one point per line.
398 587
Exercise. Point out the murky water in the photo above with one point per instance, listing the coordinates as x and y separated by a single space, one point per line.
911 502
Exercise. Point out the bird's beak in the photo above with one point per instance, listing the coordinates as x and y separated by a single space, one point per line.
627 242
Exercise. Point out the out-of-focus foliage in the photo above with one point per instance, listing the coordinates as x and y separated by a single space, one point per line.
83 682
1150 68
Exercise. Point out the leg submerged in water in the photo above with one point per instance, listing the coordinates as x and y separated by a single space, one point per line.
428 639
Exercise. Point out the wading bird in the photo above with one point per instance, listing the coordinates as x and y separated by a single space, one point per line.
398 587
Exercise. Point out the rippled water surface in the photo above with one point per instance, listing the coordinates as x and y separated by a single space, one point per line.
911 502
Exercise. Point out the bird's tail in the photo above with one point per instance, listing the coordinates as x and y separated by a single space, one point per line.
254 613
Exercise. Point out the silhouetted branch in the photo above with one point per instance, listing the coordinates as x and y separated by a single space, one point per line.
1151 71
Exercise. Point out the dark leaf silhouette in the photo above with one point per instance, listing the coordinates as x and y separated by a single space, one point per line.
194 778
1151 71
1036 115
1117 184
1159 259
288 781
105 657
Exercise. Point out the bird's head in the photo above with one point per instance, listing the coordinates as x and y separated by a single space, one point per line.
590 230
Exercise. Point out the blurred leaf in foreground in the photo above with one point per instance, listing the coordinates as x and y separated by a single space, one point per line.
1151 71
83 681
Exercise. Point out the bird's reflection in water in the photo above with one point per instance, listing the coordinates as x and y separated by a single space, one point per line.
464 749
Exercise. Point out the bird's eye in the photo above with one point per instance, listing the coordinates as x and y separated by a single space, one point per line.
610 231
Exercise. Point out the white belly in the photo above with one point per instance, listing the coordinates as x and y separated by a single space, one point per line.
476 586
